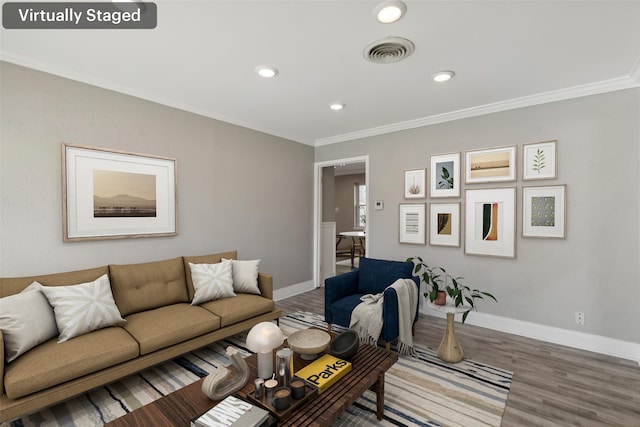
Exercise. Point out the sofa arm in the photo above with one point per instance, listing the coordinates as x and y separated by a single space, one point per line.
336 288
265 283
391 328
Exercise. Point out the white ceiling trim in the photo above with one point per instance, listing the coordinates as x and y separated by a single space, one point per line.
633 80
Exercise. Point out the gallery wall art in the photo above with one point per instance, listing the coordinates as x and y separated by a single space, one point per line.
109 194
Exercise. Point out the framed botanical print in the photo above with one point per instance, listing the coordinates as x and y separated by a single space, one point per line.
544 211
445 175
490 165
109 194
539 160
412 223
415 184
490 222
444 224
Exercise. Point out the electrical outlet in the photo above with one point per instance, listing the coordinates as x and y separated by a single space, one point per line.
579 318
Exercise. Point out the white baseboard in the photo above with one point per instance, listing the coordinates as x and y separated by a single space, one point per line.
581 340
293 290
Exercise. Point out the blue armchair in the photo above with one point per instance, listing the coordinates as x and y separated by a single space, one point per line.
342 293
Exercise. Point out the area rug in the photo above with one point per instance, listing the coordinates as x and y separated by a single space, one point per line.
422 391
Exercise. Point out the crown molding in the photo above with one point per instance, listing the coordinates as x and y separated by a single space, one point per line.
631 81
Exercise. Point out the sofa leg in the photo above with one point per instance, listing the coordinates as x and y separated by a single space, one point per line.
329 327
388 345
413 330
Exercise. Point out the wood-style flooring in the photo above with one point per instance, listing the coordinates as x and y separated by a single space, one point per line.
552 385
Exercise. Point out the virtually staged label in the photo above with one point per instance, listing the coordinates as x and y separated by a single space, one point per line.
104 15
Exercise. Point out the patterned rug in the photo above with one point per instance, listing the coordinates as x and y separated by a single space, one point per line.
421 391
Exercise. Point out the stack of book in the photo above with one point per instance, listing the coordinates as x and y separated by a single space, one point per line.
324 372
233 412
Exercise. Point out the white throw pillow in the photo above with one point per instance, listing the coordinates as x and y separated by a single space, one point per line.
245 276
83 308
26 320
211 281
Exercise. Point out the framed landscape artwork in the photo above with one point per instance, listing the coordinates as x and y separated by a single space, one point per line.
412 223
415 184
490 165
444 224
490 222
539 160
544 211
445 175
110 194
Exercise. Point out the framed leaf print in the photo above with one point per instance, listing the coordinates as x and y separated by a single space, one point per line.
539 160
445 175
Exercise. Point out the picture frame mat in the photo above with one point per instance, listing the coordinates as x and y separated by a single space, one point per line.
79 166
439 159
504 199
452 239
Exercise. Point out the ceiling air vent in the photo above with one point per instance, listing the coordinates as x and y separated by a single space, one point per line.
388 50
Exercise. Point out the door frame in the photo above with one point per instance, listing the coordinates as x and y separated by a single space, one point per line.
317 210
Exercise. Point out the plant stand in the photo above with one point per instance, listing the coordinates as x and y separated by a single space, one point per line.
450 350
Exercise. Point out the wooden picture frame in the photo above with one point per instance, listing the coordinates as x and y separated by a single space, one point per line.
415 181
544 211
444 224
539 160
445 175
110 194
490 222
490 165
412 224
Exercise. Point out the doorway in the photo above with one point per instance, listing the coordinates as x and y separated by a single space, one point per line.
341 205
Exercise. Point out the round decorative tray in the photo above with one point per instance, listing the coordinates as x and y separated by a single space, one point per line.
309 342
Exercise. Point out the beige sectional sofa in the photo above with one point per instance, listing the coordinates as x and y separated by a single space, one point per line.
160 324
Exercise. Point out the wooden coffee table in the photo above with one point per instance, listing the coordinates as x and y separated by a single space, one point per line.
368 368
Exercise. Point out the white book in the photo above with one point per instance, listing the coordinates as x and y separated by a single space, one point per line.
232 412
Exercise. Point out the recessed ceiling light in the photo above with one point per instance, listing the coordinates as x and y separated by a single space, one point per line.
443 76
266 71
336 106
389 11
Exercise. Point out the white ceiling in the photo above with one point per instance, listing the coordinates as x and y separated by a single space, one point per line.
202 57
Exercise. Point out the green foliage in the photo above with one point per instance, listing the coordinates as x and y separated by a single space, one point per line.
446 180
539 161
436 279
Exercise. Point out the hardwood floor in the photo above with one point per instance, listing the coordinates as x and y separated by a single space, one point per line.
552 385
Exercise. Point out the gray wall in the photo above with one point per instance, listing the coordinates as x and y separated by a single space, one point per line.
237 188
595 269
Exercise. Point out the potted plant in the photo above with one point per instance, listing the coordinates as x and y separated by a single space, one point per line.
439 282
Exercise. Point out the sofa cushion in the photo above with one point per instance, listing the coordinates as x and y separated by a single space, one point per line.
141 287
203 259
239 308
26 320
83 308
376 274
53 363
165 326
211 281
245 276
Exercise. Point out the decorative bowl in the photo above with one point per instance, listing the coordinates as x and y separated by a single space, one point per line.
309 342
345 345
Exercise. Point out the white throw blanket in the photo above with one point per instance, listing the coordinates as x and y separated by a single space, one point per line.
366 318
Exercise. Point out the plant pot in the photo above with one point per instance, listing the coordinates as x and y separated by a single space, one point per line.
441 299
